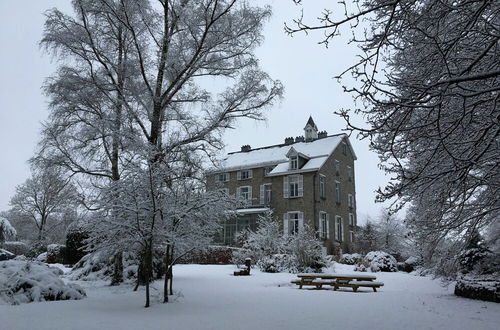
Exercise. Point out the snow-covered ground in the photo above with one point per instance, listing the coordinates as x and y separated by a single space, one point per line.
209 297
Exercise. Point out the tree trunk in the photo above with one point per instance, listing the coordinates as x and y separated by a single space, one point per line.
118 269
148 269
167 275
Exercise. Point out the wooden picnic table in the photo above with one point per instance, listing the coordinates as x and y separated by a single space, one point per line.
353 281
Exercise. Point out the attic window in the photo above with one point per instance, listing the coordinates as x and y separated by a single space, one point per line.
294 162
344 148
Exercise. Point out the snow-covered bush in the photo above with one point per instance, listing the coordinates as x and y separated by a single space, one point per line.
351 259
409 265
6 230
27 281
16 247
56 253
99 266
278 263
381 261
42 257
360 267
482 288
307 249
6 255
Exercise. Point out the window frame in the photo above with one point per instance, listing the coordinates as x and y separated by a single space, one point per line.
322 186
339 228
338 192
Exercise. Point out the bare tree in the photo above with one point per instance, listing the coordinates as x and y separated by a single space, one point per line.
43 197
429 79
146 64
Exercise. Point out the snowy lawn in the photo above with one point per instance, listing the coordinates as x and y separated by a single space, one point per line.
209 297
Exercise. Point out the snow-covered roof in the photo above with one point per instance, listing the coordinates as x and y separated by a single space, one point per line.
252 210
317 150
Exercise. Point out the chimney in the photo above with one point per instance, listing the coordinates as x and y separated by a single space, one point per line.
289 140
246 148
299 139
322 134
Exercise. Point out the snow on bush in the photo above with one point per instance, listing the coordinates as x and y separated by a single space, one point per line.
26 281
381 261
42 257
99 266
55 253
351 259
6 255
479 287
278 263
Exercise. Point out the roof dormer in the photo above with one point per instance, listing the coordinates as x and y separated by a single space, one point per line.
296 159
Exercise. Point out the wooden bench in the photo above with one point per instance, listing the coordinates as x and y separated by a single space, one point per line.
356 284
353 281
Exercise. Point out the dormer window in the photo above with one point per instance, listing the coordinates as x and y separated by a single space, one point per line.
294 162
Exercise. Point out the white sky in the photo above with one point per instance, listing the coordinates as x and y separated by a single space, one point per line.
305 68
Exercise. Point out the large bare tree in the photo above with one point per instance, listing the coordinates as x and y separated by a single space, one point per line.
135 82
428 82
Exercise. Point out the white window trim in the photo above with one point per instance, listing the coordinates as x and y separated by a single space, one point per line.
239 194
294 160
239 175
287 184
338 196
352 222
350 200
225 175
350 174
322 192
287 220
322 233
338 233
263 193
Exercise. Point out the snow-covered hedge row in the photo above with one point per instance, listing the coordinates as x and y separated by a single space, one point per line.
6 255
24 281
479 287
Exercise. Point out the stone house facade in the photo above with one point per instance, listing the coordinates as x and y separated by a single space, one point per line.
305 181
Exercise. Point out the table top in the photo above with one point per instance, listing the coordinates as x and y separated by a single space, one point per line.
334 276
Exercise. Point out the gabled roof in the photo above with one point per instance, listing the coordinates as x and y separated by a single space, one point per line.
310 121
317 151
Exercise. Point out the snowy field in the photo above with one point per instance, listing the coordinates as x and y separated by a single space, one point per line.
209 297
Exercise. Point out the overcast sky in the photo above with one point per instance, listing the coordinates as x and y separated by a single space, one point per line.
305 68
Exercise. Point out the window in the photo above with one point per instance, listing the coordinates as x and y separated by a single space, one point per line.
351 236
324 228
293 186
265 194
294 162
244 192
350 174
322 186
337 167
223 177
337 192
338 228
293 222
344 148
244 174
352 222
350 200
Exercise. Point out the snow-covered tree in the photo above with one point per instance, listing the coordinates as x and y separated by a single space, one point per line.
428 80
44 199
134 72
391 233
366 238
6 230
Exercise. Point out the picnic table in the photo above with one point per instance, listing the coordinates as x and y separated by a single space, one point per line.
353 281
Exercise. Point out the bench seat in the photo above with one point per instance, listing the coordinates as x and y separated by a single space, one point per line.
356 284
